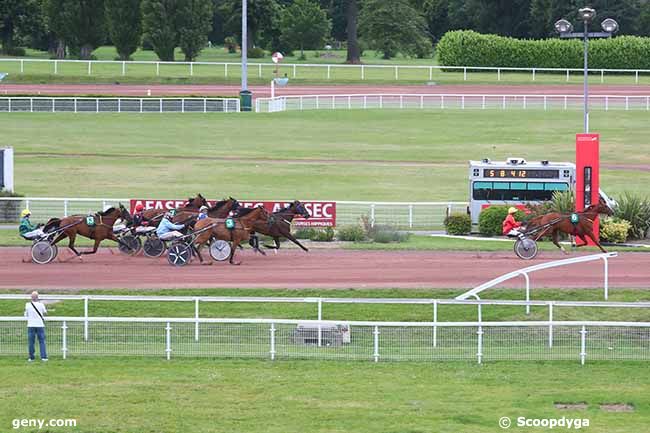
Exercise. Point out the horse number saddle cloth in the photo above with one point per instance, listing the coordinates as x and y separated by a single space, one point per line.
230 223
90 221
575 218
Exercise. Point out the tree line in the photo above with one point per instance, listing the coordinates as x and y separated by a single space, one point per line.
74 28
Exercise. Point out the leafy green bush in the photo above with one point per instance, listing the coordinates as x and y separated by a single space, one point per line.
387 235
9 209
230 43
458 224
304 233
16 52
490 220
323 235
469 48
563 202
353 233
256 53
636 210
614 229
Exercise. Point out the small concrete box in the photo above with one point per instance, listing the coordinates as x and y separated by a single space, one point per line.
307 334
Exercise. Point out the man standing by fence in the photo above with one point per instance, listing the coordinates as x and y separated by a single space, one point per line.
34 311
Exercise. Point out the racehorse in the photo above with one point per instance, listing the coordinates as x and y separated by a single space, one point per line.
98 227
153 216
216 228
557 222
221 209
279 224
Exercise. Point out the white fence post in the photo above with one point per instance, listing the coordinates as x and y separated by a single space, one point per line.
363 72
89 67
65 207
435 321
533 74
196 318
479 333
410 216
550 324
396 73
583 345
157 68
272 351
527 293
123 68
328 71
606 273
372 215
56 67
85 318
22 66
191 69
376 344
294 70
64 340
168 341
464 74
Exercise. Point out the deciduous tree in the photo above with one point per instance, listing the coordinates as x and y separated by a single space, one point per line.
124 22
304 24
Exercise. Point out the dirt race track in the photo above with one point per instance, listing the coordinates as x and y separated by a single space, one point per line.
321 268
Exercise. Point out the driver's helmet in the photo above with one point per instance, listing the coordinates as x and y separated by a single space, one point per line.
170 214
25 213
139 207
203 209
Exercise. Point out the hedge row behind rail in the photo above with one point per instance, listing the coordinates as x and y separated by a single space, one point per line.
468 48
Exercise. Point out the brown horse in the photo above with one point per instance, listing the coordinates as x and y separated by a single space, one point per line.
101 227
153 216
561 223
278 224
221 209
216 228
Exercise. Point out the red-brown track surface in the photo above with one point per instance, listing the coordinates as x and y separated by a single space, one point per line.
320 268
264 91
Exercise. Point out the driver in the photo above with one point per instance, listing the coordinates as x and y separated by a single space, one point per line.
510 226
167 230
203 213
28 230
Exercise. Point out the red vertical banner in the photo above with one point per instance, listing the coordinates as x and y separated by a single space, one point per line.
587 173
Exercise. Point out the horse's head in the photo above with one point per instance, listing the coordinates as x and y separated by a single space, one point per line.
300 209
125 215
234 204
603 208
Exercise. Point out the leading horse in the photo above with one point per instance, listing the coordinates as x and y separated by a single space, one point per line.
581 225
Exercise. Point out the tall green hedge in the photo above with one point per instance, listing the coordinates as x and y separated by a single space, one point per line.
468 48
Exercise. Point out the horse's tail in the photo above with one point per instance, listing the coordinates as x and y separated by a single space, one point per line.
52 224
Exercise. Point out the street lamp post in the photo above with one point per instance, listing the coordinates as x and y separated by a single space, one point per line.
565 29
245 95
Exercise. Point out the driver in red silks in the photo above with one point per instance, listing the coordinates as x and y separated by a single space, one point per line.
510 226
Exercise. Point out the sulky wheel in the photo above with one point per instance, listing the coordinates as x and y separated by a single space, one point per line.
525 248
43 252
219 250
134 245
179 254
153 247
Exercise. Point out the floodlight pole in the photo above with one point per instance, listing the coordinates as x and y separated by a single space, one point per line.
245 95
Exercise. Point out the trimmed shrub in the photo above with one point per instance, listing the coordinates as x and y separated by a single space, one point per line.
636 210
387 235
490 220
458 224
353 233
256 53
9 209
469 48
230 44
16 52
304 233
324 235
614 229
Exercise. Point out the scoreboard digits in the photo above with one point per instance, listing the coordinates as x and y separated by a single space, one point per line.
520 174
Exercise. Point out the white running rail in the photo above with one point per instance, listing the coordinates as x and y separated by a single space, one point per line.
554 264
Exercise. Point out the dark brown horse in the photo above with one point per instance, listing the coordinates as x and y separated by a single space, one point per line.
153 216
221 209
216 228
278 224
100 228
561 223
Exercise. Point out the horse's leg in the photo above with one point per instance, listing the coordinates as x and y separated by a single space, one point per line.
196 247
95 247
112 237
556 241
235 244
72 236
295 241
593 238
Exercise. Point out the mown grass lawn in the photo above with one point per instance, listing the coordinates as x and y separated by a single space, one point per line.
135 395
343 155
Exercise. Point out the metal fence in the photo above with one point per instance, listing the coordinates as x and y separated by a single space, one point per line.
450 101
403 215
117 105
20 66
351 341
